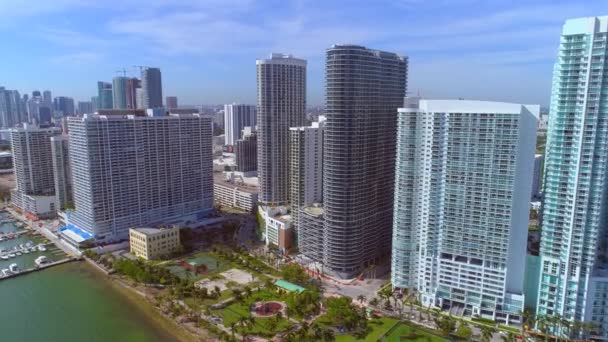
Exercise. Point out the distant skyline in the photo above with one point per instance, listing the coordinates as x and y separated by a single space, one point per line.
206 49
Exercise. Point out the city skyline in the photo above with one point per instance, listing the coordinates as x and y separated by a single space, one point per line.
489 46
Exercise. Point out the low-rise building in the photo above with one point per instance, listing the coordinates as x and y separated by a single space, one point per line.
154 243
279 230
233 191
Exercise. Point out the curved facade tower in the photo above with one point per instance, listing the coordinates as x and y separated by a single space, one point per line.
364 89
281 104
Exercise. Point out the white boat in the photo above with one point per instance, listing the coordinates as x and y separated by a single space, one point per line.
33 249
26 251
11 255
41 260
41 248
6 272
14 268
18 254
4 257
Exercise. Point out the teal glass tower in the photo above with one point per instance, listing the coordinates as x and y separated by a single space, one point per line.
573 274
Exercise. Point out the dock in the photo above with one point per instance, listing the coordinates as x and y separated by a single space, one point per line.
24 250
38 268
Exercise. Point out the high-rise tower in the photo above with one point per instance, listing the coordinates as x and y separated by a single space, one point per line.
364 89
281 88
462 191
573 250
119 92
237 117
152 88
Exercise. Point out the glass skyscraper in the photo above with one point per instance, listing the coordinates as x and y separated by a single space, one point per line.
462 199
573 274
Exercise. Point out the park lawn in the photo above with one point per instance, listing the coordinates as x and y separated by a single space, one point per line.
199 304
405 330
233 312
260 327
214 266
378 326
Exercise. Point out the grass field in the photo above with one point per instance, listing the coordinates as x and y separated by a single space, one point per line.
234 312
378 326
213 265
404 332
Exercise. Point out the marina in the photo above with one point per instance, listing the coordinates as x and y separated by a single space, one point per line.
23 251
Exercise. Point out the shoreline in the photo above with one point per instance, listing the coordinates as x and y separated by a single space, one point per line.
169 325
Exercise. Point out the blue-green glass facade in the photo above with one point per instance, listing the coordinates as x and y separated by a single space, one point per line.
574 210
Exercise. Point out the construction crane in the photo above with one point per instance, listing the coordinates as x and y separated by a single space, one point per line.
141 67
123 71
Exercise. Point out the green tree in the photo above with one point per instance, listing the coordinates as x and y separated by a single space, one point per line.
294 273
373 302
486 333
464 331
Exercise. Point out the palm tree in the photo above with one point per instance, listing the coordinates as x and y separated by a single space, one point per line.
232 328
566 327
510 337
243 321
328 335
272 324
529 321
486 333
247 291
217 291
543 325
373 302
361 298
587 327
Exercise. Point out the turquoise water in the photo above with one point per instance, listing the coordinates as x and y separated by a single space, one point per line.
71 302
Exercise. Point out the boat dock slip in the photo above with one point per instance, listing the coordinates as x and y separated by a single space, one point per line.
38 268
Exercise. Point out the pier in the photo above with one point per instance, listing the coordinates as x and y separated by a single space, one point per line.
38 268
24 250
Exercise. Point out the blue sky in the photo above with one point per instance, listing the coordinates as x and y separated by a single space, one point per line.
206 49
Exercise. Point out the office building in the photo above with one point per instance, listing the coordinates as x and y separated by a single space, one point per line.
45 116
306 167
237 117
133 85
281 94
104 95
47 98
364 89
64 106
61 171
119 92
33 109
154 243
94 103
85 107
233 191
10 108
139 92
537 177
138 171
171 102
573 266
246 152
36 93
152 88
34 193
462 200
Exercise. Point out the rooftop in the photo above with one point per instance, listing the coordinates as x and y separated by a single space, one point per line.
291 287
151 231
241 185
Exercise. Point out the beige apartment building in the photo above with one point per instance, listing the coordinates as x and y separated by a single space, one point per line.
154 243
